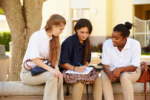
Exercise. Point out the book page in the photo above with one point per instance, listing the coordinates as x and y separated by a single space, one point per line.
86 71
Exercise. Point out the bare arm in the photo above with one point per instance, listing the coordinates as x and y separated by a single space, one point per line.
127 69
55 73
86 63
106 69
70 67
38 62
117 71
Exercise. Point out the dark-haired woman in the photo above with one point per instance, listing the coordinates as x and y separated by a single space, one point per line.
74 49
121 62
44 44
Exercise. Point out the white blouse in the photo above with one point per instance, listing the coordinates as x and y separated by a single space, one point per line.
129 55
38 47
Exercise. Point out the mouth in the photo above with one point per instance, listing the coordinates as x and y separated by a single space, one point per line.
114 44
83 38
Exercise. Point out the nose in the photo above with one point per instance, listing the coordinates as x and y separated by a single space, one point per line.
113 40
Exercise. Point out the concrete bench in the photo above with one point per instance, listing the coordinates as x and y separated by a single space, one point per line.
15 90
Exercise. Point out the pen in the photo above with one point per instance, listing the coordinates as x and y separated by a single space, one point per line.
80 64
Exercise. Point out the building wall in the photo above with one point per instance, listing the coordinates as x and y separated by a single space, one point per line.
109 14
122 11
99 21
139 2
140 11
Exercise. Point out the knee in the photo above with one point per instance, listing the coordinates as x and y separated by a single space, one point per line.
124 76
50 77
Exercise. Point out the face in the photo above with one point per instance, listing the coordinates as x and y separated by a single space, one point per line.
57 30
117 39
83 33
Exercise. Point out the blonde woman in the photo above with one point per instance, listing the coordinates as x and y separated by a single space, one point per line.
44 44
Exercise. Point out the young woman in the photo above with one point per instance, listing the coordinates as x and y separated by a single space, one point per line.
44 44
74 49
121 61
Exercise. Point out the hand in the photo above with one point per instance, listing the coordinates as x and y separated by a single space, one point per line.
56 73
80 69
116 72
111 76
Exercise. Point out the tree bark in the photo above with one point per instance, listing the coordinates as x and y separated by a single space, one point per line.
23 21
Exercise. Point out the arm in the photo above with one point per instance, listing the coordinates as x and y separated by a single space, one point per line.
54 72
106 69
117 71
70 67
86 63
135 61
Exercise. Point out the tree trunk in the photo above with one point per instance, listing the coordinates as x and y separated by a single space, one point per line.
23 21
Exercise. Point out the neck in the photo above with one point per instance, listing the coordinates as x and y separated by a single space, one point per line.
122 45
81 41
49 33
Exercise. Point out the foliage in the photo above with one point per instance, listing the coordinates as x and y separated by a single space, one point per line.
144 53
5 38
1 11
97 48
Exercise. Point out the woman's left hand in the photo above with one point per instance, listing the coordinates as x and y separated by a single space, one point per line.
116 72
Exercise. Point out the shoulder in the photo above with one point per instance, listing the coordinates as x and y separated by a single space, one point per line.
69 40
108 43
134 43
36 34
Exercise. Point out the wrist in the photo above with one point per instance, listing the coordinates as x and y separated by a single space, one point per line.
120 69
74 68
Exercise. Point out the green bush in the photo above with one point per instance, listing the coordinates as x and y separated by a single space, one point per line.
1 11
5 38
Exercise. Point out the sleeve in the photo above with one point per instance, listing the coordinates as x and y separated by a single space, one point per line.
136 55
33 47
66 50
105 55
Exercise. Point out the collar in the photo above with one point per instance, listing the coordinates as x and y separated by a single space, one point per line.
127 45
76 39
45 36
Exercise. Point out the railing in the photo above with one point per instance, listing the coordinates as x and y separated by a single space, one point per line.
142 31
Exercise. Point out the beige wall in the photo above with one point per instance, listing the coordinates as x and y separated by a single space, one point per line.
122 11
49 8
109 14
98 20
65 6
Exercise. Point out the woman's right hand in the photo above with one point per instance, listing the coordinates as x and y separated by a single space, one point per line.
80 69
56 73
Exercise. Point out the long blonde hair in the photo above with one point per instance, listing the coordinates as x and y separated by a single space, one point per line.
54 42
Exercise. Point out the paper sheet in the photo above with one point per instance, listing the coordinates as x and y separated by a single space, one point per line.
86 71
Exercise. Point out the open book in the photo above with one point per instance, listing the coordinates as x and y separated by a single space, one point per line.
86 71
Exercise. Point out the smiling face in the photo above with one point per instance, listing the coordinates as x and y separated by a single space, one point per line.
118 40
83 34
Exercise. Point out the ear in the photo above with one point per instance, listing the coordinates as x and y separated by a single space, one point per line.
53 26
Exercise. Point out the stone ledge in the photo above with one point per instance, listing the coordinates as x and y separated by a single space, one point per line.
16 88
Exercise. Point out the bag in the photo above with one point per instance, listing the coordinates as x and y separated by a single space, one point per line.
144 76
36 70
84 78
